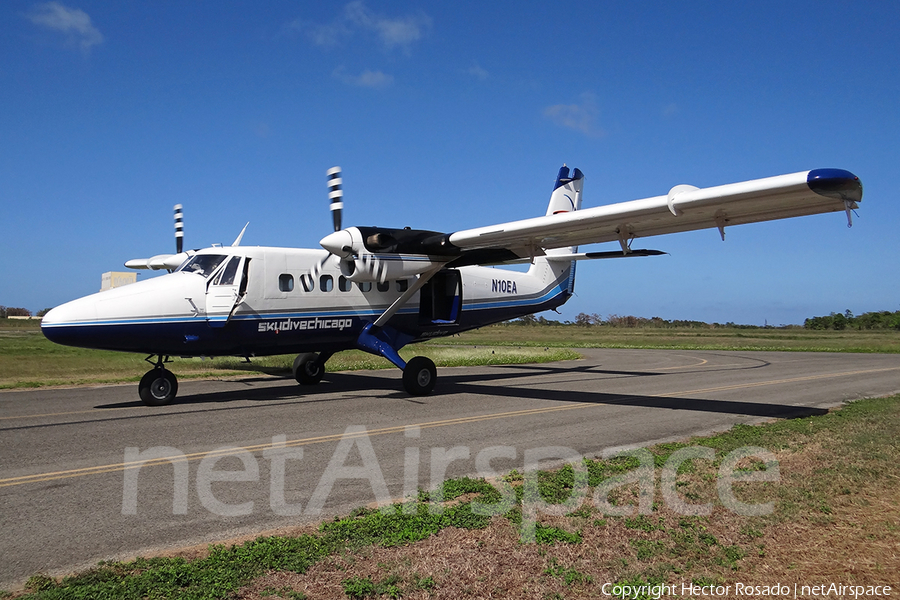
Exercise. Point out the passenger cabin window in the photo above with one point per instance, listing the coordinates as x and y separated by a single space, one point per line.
344 284
203 264
384 286
365 286
286 282
226 275
306 280
326 283
402 285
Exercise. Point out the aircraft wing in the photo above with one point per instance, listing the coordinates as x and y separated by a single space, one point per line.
684 208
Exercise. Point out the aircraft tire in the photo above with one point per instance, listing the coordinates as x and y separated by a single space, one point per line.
419 376
158 387
307 370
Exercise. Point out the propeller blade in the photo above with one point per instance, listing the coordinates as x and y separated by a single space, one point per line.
179 229
317 269
336 195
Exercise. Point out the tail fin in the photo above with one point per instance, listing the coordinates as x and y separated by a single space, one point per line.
566 197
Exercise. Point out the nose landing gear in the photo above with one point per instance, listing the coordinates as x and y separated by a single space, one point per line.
159 386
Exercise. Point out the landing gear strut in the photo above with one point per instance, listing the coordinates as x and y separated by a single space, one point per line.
419 374
159 386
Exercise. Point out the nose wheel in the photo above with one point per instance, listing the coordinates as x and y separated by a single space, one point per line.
158 387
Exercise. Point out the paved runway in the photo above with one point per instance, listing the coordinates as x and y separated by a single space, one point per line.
231 458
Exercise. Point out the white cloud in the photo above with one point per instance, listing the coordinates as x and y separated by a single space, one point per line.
369 79
399 32
581 117
73 22
478 72
327 36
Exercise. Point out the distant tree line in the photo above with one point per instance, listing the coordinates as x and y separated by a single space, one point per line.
629 321
846 320
871 320
9 311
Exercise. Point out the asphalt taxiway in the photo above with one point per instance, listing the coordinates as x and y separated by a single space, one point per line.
90 473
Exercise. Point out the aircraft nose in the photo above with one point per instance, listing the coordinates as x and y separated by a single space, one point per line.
57 325
69 313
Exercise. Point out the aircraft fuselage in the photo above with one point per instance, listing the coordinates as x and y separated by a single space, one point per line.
258 301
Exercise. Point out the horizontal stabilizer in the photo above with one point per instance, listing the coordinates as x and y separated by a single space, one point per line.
601 255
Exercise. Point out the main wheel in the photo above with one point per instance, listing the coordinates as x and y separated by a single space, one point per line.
158 387
307 370
419 376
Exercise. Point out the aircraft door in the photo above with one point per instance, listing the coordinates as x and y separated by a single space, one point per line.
440 302
226 290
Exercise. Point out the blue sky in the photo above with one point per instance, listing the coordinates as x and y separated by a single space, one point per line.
448 116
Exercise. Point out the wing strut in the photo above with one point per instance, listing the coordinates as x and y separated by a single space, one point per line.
384 341
403 299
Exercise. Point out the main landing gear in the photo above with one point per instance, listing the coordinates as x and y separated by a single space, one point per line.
309 368
159 386
419 374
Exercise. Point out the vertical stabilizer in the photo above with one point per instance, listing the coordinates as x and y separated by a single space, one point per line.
566 197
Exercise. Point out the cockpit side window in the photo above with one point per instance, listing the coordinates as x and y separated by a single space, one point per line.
203 264
226 275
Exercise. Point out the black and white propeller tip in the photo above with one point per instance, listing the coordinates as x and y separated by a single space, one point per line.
179 228
336 195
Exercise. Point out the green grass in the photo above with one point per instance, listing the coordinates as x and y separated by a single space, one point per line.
854 455
29 360
685 338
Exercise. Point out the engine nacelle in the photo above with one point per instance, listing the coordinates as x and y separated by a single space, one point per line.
384 267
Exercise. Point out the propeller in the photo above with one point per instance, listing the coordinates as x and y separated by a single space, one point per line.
169 262
179 229
357 250
336 195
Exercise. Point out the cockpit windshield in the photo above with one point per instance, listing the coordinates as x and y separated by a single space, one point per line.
202 264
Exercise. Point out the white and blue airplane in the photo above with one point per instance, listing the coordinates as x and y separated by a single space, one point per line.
379 289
